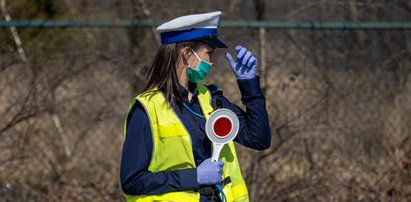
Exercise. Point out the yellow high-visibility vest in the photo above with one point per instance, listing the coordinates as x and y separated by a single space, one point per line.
172 149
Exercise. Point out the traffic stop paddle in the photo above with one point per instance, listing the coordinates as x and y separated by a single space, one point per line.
221 127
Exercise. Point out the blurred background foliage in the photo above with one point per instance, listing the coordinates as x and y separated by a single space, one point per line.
338 100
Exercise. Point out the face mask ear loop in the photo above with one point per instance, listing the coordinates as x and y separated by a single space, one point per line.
195 54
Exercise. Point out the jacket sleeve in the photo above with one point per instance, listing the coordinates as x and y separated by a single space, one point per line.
135 177
254 129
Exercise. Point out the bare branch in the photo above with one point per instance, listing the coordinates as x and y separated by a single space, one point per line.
22 114
13 30
63 136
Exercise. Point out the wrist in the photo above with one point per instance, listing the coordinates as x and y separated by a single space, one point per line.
250 87
188 178
243 77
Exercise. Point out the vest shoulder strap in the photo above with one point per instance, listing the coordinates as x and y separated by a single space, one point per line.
204 98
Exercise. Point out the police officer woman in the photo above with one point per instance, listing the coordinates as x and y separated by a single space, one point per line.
166 153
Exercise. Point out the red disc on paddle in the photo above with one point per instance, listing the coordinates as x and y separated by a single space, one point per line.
222 127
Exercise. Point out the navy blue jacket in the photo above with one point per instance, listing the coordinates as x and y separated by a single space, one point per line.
135 178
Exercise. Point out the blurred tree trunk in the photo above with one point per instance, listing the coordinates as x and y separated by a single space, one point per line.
71 7
353 17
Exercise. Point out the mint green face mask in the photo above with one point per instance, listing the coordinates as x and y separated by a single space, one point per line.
199 73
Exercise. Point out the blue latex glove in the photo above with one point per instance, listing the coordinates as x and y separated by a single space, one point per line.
209 172
246 64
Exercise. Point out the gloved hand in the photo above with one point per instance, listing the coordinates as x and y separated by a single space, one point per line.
246 64
209 172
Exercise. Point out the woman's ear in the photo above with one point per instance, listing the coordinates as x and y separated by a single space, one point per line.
186 53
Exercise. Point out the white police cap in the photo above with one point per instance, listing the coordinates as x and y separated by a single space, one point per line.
198 27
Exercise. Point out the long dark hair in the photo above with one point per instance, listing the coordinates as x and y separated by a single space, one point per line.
162 73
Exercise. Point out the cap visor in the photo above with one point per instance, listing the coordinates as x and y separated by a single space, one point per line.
216 43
